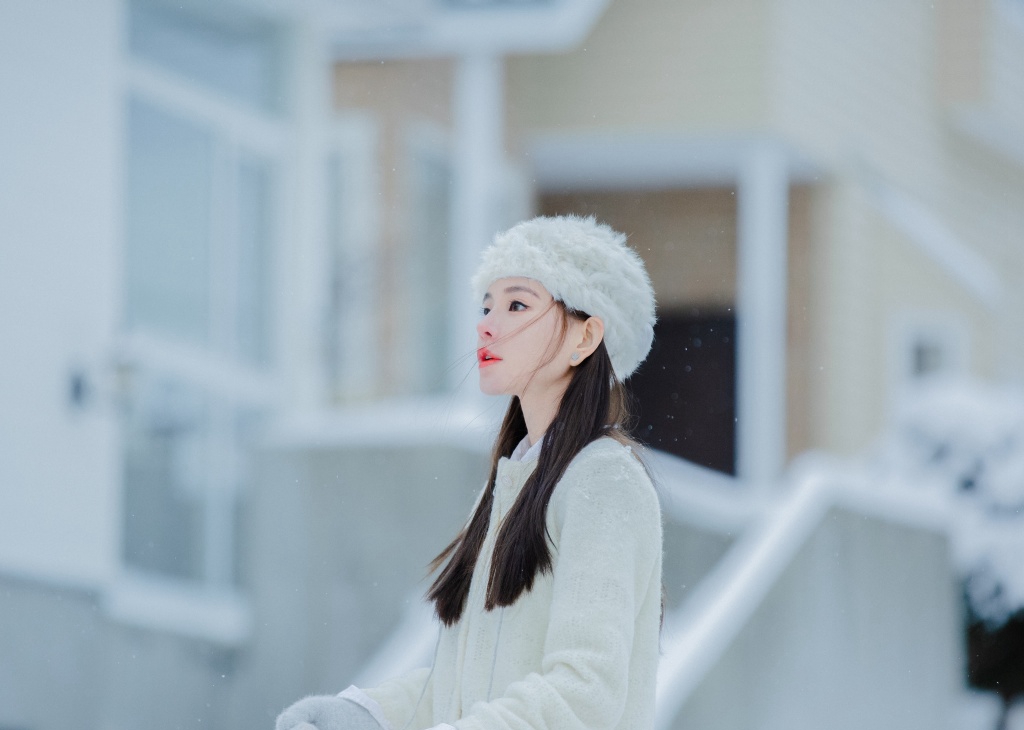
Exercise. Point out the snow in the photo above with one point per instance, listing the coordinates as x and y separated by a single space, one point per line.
964 439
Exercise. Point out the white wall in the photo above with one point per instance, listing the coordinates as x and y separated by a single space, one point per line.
60 209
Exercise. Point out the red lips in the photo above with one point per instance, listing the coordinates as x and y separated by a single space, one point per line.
485 357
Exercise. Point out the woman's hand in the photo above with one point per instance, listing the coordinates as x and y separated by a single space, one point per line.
326 712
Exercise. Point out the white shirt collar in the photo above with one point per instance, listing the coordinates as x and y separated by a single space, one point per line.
525 452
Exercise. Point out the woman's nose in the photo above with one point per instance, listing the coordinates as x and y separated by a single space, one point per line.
484 328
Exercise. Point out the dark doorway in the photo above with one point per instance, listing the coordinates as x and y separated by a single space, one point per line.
685 392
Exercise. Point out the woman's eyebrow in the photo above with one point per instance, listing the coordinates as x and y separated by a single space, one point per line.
520 288
516 288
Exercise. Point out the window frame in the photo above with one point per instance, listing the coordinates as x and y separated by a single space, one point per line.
351 235
426 142
213 605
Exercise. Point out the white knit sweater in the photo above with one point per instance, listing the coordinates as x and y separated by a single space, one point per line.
580 650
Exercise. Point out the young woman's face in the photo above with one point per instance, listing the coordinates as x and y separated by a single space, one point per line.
521 345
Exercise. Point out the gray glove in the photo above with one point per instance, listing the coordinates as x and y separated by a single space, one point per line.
326 712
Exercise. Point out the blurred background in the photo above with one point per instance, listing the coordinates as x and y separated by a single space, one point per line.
238 406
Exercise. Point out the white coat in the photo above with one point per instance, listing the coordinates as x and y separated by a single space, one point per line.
579 651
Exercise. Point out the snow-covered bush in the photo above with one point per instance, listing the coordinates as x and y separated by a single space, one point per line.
966 438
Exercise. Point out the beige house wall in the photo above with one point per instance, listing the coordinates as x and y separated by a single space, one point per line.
853 88
853 85
871 284
870 93
802 363
983 204
909 284
961 28
651 65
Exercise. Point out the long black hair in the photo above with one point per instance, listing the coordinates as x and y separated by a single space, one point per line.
594 404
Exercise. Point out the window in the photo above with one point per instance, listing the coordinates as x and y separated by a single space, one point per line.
350 321
197 354
184 465
426 276
927 357
168 258
926 344
229 53
1005 59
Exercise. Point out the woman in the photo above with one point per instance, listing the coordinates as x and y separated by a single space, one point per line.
550 597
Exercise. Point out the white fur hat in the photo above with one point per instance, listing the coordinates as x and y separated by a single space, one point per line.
588 267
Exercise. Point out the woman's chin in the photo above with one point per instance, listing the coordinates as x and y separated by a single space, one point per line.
488 386
488 389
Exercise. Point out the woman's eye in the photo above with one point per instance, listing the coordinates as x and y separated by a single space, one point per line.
484 311
516 307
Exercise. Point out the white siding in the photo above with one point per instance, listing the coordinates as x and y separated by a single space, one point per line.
59 217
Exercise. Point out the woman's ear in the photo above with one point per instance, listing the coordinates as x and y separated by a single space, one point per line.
587 335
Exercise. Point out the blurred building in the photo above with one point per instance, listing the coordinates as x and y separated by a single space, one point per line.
238 413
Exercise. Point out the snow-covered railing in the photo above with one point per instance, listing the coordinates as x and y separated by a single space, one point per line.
410 645
703 627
